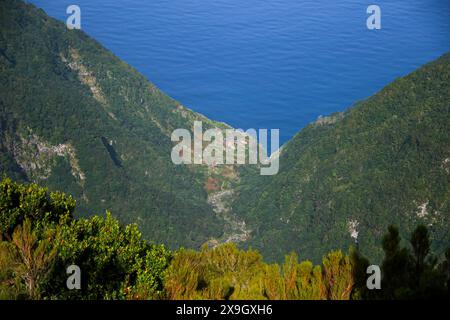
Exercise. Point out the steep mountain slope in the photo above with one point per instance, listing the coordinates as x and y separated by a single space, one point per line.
74 117
384 161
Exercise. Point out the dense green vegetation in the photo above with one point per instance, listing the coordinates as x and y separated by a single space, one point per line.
75 118
384 161
40 238
43 238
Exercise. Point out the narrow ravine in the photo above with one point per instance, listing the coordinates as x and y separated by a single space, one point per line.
235 229
220 196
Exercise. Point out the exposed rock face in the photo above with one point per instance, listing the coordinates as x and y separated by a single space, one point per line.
37 157
352 229
87 77
422 210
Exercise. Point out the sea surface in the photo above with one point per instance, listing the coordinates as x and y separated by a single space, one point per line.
266 63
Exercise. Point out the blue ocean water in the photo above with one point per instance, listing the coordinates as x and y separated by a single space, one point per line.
266 63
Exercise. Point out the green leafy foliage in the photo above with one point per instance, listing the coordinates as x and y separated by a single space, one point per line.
116 263
19 202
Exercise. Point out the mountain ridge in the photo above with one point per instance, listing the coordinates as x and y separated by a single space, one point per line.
76 118
380 162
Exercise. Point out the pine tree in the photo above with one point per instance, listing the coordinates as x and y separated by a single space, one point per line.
32 257
338 275
420 242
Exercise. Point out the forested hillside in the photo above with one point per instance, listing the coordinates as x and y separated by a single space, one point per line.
74 117
348 176
40 239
